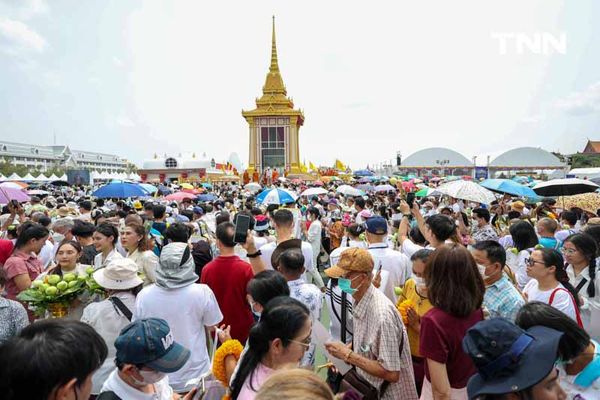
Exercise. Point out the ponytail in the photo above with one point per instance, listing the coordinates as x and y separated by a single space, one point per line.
591 289
283 317
563 278
587 245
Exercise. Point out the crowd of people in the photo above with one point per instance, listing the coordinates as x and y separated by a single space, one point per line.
432 298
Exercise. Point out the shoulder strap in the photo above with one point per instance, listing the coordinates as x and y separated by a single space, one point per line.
577 315
580 285
122 307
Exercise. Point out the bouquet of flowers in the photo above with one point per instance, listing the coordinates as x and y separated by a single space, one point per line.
403 310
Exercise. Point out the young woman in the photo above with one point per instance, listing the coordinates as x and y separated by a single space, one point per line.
110 316
105 238
550 283
135 241
580 251
579 356
455 289
277 341
524 240
23 266
313 234
415 292
295 384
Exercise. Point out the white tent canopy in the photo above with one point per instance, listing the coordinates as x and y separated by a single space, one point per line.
41 178
63 177
28 177
2 177
53 177
14 177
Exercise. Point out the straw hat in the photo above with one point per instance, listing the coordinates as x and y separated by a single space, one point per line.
119 274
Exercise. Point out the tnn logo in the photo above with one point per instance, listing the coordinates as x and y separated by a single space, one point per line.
536 43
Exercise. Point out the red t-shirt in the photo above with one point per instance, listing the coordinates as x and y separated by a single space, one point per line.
441 340
228 276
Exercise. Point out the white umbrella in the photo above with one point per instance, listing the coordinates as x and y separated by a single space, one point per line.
467 190
385 188
253 187
11 185
348 190
565 187
313 191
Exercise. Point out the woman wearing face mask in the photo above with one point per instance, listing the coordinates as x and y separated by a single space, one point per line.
277 341
23 266
313 234
580 251
415 292
105 238
110 316
579 356
136 243
550 283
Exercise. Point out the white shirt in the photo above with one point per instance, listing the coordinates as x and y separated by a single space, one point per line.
313 235
562 298
517 264
107 321
187 310
117 385
396 264
590 309
567 382
147 262
334 257
98 263
47 254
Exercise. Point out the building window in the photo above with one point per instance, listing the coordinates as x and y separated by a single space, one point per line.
171 162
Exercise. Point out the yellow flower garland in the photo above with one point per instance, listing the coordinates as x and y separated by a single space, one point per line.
230 347
403 309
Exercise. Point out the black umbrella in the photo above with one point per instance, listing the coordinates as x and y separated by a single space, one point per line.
565 187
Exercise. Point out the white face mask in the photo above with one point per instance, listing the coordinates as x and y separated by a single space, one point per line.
150 377
481 269
256 313
419 280
58 237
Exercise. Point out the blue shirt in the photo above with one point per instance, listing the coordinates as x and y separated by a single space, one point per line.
502 299
549 243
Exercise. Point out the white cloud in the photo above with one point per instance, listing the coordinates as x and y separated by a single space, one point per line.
117 62
584 102
125 122
21 35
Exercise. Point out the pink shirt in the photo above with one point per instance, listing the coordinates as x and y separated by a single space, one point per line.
18 264
259 376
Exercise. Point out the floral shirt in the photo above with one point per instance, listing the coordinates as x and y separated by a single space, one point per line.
486 232
309 295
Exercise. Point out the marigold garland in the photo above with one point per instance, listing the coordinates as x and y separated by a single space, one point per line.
403 309
230 347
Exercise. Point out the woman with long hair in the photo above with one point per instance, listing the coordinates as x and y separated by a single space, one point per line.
135 240
455 288
581 251
105 239
550 284
524 239
313 233
23 266
277 341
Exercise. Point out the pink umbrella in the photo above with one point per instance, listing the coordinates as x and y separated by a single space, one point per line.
317 183
8 193
408 186
179 196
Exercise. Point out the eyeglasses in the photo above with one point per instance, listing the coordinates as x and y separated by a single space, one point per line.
531 262
305 343
568 251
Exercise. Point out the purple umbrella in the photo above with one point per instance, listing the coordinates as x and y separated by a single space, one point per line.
366 188
364 180
7 194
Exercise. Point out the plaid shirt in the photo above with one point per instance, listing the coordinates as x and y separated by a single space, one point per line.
502 299
377 330
486 232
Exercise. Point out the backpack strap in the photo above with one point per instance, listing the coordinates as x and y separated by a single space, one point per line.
580 285
121 306
577 315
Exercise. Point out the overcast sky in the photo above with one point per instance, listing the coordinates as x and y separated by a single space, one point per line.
139 77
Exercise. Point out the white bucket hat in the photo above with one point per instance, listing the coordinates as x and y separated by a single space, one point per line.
119 274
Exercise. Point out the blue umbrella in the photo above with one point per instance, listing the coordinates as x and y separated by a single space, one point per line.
363 172
276 196
120 191
149 188
207 197
508 186
162 189
207 185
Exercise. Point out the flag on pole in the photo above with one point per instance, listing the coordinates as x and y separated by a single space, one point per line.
339 165
312 166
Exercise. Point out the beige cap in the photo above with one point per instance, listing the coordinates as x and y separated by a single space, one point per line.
119 274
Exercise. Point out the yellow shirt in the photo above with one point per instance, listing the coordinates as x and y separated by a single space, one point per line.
421 306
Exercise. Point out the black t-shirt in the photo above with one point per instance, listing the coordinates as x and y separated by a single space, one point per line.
160 226
87 255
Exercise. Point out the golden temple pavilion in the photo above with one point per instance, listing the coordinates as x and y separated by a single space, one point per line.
274 125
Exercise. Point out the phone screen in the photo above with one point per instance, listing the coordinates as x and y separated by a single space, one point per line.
410 199
242 223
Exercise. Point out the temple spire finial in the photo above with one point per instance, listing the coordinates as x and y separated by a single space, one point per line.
274 64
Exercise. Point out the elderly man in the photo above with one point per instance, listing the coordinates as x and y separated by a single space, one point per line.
380 350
